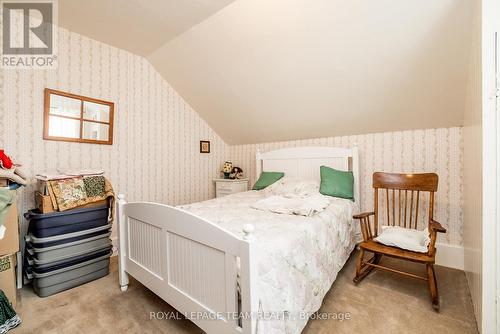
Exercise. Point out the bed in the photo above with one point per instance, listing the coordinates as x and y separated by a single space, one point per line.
230 268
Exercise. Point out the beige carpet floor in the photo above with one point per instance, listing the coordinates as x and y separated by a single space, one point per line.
382 303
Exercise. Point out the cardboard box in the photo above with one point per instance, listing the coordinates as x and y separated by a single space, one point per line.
43 203
10 242
4 182
8 277
42 186
93 204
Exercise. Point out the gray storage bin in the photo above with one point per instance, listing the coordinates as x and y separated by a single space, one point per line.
70 249
63 238
56 288
69 273
51 282
31 263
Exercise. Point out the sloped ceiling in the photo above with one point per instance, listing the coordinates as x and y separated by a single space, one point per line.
139 26
268 70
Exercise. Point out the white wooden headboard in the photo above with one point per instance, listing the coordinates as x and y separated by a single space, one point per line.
304 162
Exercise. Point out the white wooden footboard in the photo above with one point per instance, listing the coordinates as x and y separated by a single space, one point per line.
190 263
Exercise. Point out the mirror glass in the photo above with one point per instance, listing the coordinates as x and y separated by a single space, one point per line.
64 127
95 112
65 106
95 131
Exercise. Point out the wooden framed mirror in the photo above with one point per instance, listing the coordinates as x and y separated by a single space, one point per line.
76 118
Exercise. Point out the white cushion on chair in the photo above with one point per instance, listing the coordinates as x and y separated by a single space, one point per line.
404 238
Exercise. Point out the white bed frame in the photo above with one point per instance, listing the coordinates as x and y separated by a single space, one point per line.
191 263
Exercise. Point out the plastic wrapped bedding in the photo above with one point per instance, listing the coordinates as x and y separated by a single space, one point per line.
298 257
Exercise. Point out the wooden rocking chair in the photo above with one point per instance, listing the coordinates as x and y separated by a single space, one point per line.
397 190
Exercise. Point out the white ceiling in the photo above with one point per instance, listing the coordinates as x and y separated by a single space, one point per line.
140 26
268 70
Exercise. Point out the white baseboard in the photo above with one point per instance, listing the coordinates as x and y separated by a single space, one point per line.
451 256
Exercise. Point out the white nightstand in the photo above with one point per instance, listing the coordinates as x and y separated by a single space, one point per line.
224 187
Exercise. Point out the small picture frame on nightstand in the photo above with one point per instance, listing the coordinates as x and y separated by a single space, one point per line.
204 146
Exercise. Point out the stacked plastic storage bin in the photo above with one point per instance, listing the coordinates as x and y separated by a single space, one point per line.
67 249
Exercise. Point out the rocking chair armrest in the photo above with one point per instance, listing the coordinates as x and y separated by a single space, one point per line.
437 226
363 215
434 228
366 228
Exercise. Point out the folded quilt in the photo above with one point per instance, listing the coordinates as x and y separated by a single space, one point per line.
83 172
60 174
70 193
94 186
306 206
55 175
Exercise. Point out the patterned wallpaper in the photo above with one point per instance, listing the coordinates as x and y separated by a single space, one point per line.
431 150
155 155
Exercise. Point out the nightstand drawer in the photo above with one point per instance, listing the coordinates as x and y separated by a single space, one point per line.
232 187
222 193
224 187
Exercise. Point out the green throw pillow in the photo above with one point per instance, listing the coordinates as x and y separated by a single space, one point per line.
336 183
266 179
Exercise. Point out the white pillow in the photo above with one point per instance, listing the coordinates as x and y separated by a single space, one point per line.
293 187
404 238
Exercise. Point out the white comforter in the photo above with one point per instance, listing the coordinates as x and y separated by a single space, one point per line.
298 257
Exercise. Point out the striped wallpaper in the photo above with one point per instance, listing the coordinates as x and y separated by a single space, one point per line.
431 150
155 155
